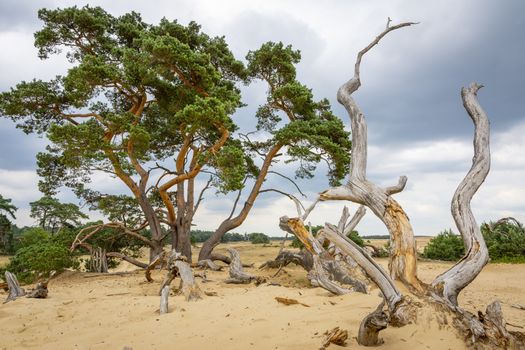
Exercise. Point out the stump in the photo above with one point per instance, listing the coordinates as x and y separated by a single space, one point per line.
371 326
177 266
15 291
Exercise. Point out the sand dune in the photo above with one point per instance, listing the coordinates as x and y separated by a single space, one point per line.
88 311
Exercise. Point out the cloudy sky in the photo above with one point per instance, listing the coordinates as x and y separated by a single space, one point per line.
410 96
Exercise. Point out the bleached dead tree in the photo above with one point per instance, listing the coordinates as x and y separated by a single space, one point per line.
359 189
178 267
482 331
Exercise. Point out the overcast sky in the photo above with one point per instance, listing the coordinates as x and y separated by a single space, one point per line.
410 96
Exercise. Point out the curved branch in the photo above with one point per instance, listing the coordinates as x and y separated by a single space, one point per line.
397 188
448 285
289 179
97 228
297 202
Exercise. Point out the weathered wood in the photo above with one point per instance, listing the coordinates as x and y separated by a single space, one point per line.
371 325
190 288
208 264
158 260
336 336
15 291
40 291
447 286
225 259
287 301
403 260
324 269
286 257
319 277
177 266
164 295
237 274
127 258
99 260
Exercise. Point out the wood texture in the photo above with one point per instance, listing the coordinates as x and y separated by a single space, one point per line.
15 291
403 260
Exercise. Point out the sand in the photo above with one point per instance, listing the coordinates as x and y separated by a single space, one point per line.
89 311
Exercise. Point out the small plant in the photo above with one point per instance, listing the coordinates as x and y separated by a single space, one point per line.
445 246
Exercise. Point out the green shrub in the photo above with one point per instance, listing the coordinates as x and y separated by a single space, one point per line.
40 259
354 236
40 252
505 241
445 246
259 238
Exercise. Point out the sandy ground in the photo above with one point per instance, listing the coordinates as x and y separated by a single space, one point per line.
89 311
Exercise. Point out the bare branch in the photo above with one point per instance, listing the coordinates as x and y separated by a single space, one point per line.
202 194
297 202
289 179
358 215
237 199
397 188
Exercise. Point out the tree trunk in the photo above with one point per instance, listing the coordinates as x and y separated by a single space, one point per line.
231 223
215 239
154 225
99 261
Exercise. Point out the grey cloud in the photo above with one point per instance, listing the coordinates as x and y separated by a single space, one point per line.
18 149
20 15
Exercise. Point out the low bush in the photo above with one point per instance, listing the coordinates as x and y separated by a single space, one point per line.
258 238
445 246
40 253
505 240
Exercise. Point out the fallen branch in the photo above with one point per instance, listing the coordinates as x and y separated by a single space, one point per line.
336 336
287 301
237 274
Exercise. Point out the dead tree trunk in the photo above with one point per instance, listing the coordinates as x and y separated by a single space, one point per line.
359 189
99 261
189 287
447 286
371 326
325 269
177 266
237 274
285 257
15 291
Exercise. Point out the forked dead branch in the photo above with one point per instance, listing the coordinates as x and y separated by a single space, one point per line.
483 331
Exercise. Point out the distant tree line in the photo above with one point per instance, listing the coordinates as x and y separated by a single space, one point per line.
200 236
